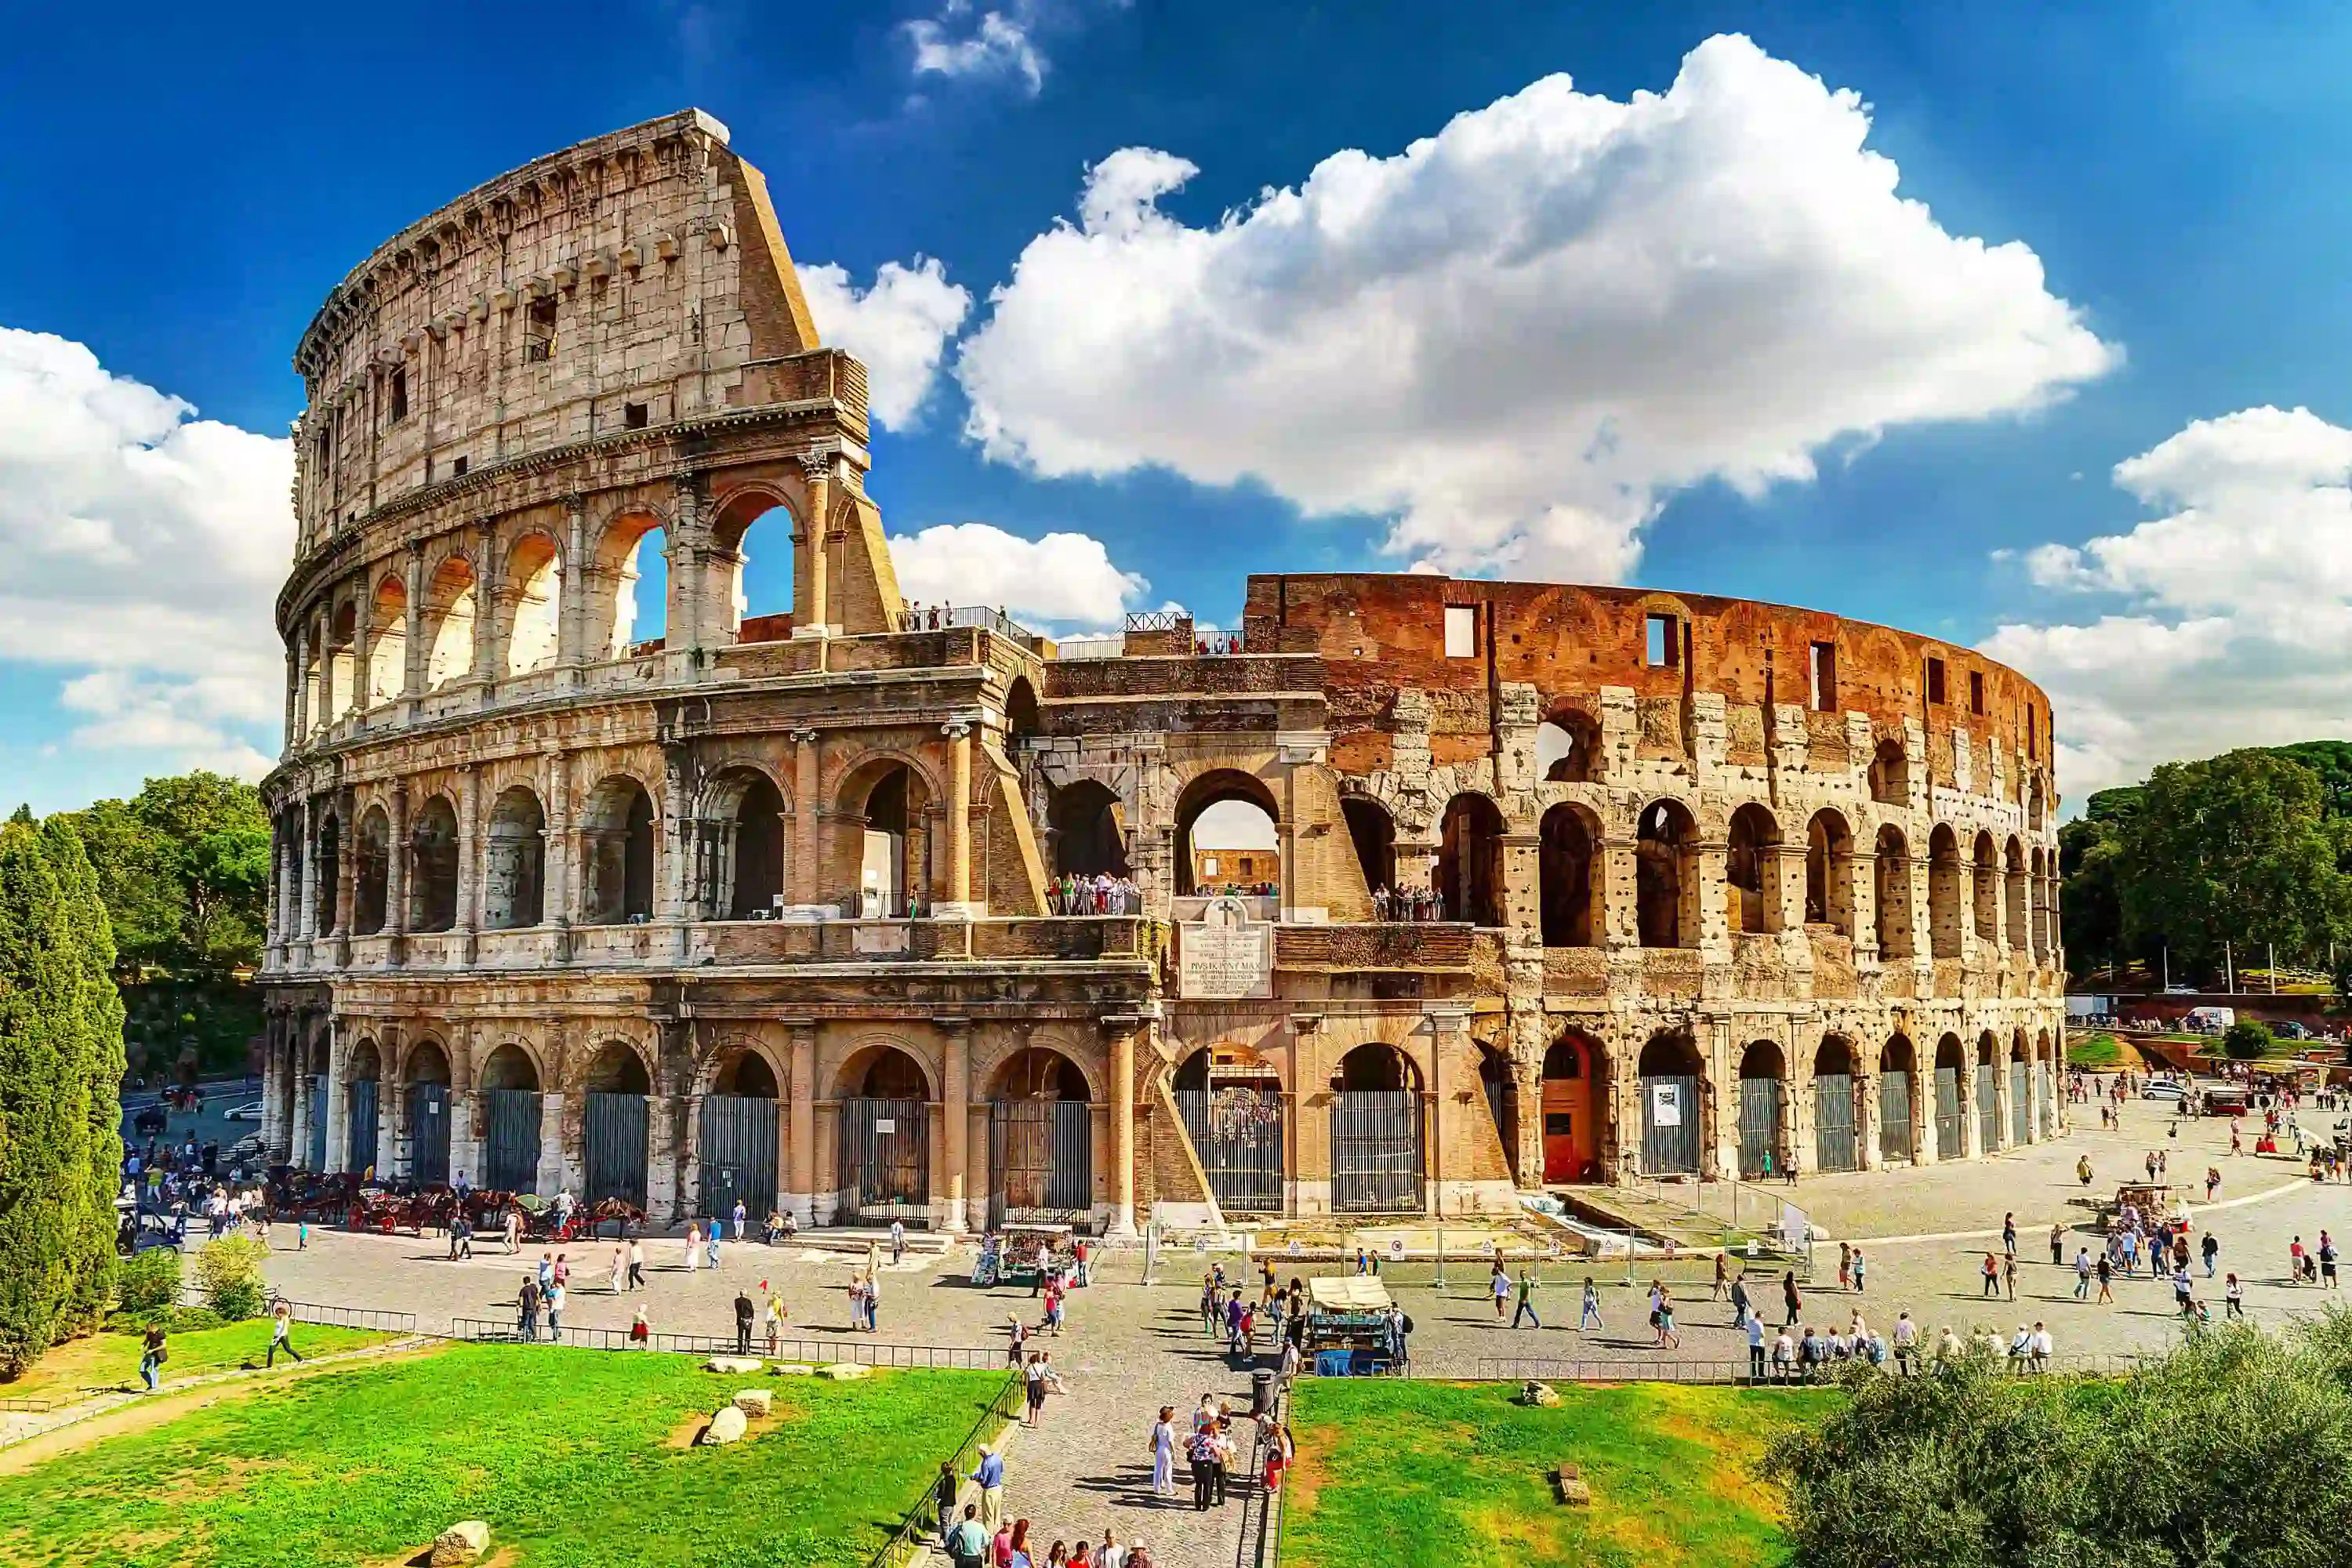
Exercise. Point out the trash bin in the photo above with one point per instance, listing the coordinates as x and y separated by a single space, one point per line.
1260 1391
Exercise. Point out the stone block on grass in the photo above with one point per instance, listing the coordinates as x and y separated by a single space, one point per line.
735 1366
847 1371
754 1401
464 1541
726 1426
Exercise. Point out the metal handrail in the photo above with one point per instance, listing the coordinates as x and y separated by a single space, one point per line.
325 1316
945 617
904 1544
1544 1369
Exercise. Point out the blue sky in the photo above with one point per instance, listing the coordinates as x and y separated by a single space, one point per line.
184 184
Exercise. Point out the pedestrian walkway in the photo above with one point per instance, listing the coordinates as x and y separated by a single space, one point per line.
20 1427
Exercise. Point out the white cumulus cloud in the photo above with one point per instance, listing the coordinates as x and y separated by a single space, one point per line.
2226 621
956 44
1062 580
1516 337
146 547
898 327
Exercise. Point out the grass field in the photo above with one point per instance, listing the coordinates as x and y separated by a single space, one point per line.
1434 1475
573 1456
111 1361
2098 1050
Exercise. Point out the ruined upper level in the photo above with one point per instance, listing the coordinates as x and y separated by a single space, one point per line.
635 282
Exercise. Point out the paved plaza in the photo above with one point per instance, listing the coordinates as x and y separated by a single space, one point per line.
1130 1347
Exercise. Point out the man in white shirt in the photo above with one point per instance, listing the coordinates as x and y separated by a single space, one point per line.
1907 1341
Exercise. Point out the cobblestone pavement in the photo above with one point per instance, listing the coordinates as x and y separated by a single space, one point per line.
1130 1347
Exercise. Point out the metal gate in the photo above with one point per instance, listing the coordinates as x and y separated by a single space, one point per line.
1836 1146
315 1157
428 1134
510 1153
613 1147
2049 1100
1669 1125
1951 1133
1237 1136
739 1155
1988 1105
1895 1115
885 1159
1376 1152
2020 1110
359 1149
1040 1162
1760 1127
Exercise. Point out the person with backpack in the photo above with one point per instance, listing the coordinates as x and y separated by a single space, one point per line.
967 1543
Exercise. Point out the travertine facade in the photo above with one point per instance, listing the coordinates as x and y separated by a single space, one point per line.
760 908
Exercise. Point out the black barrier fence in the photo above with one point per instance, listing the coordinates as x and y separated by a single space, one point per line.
909 1542
861 1352
353 1318
1544 1369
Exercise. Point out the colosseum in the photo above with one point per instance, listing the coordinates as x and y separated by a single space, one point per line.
1558 885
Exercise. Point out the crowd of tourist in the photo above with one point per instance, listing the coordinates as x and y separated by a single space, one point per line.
1410 905
1100 894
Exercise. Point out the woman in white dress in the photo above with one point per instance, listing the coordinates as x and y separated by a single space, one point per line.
620 1265
693 1246
1163 1453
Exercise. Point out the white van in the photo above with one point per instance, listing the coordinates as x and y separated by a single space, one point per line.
2209 1020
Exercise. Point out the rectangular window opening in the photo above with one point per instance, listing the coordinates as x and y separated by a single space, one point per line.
1936 681
1975 692
1661 642
1824 669
539 332
457 468
1461 631
633 416
2032 734
399 395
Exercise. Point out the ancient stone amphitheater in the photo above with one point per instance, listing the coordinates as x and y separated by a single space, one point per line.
769 907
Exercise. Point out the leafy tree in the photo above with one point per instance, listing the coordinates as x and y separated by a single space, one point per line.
2234 848
186 869
149 1281
2247 1041
2332 761
228 1272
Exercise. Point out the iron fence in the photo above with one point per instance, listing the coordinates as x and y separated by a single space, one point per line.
861 1352
1547 1369
327 1317
907 1544
944 617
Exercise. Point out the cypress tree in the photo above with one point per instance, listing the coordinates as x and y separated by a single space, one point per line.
95 1015
44 1119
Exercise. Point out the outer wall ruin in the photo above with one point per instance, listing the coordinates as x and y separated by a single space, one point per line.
765 908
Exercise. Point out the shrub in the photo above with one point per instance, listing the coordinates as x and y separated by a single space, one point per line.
149 1280
228 1272
171 1320
2247 1041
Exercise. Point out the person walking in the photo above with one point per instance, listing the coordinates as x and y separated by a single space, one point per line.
1667 1335
2081 1274
1906 1342
1991 1275
1527 1308
873 1300
2211 1247
1722 1274
1163 1453
152 1354
989 1475
1860 1286
2326 1260
1755 1349
1741 1309
2008 1233
636 1264
556 1295
1795 1302
620 1268
1499 1284
1589 1317
710 1244
2233 1299
2057 1246
1033 1388
744 1313
743 1219
776 1316
527 1299
514 1230
641 1332
1845 1266
898 1242
1202 1453
2106 1270
967 1543
2009 1275
693 1245
281 1325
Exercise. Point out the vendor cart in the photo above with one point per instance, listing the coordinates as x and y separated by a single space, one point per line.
1347 1326
2156 1202
1029 1249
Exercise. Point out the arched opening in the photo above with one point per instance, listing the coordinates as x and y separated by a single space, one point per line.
1891 884
433 867
1568 748
1025 720
329 862
2020 1102
1837 1131
532 592
617 854
1225 837
511 1111
1500 1087
1670 1108
1470 860
2038 895
388 641
2020 933
613 1126
1232 1104
1944 892
885 1140
1986 870
1567 865
1571 1101
1040 1142
1665 873
514 884
1951 1132
427 1130
1376 1133
885 889
629 602
737 1137
1089 826
448 622
739 874
372 872
1890 775
751 588
342 660
1752 871
1372 831
1763 1110
361 1097
1829 882
1989 1082
2033 802
1896 1139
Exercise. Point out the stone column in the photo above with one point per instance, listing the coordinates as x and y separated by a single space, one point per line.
2033 1096
1522 890
488 588
552 1176
416 657
813 616
828 1161
1122 1125
293 694
396 878
273 1077
469 858
2004 1122
299 1155
346 866
685 1164
391 1119
1971 1125
571 613
338 1101
363 641
804 871
560 896
800 1186
959 904
955 1114
322 639
308 925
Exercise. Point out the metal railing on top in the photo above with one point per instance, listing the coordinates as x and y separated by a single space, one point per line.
906 1543
943 617
1067 650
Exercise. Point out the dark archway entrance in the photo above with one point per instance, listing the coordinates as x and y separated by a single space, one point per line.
1376 1142
1232 1104
1763 1110
613 1134
1040 1142
738 1141
1951 1131
1373 832
1470 861
359 1117
1896 1093
1089 827
884 1141
1571 1125
511 1105
427 1131
1670 1106
1566 863
1837 1134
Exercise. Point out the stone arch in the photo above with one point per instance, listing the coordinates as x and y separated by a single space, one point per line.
328 849
617 852
1665 874
1568 747
614 1134
2017 897
612 612
531 603
1372 833
885 802
743 1066
743 839
875 1065
1039 1072
342 660
1829 884
365 1061
388 639
514 880
426 1115
617 1066
1985 874
1571 874
1890 774
426 1061
446 621
1891 879
1763 1110
371 870
1674 1104
1898 1099
1752 871
1377 1066
1470 860
2033 802
1025 719
1088 822
432 865
729 604
1837 1105
1207 790
513 1064
1944 891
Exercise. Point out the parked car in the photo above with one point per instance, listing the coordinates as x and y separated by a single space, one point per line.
150 1122
245 1112
2162 1088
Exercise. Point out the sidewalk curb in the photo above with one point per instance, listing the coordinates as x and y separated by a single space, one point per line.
2263 1196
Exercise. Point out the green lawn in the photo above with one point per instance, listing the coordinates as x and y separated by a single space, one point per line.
1455 1475
2094 1051
567 1453
111 1361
